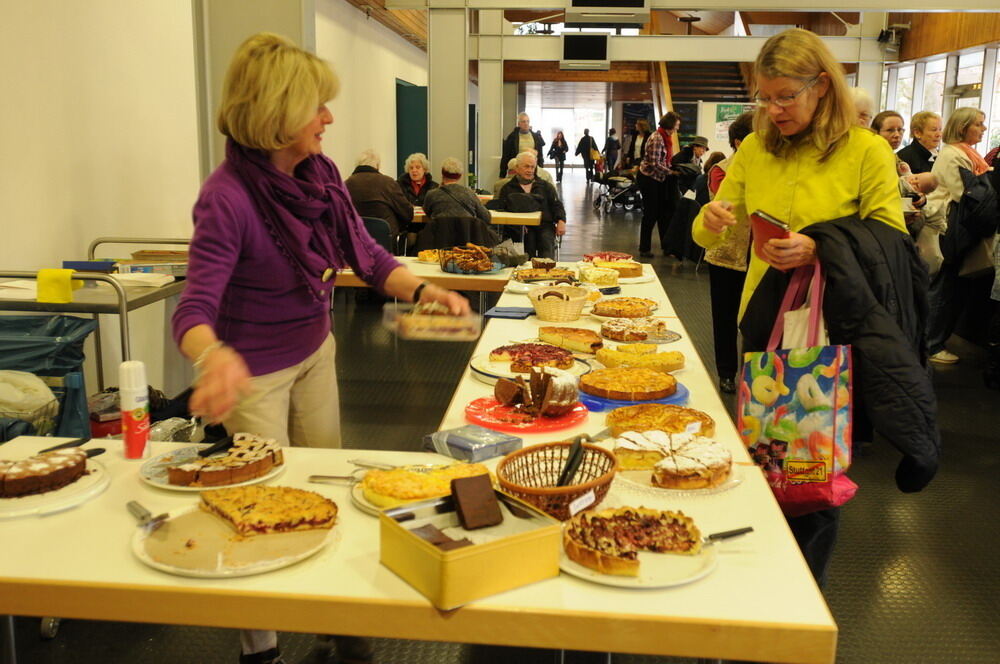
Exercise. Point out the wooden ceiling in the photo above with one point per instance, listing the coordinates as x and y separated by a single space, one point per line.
410 24
532 70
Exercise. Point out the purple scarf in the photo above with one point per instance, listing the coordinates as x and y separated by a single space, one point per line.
299 211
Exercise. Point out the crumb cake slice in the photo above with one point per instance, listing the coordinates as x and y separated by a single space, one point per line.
265 510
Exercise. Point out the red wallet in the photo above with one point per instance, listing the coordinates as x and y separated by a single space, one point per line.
764 227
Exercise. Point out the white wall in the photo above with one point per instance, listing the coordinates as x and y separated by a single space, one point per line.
98 134
368 58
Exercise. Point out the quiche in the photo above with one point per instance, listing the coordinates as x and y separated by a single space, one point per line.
572 338
524 356
658 417
609 541
390 488
266 510
625 307
664 362
628 383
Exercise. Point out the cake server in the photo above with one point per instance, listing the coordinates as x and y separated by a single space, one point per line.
217 446
145 517
96 451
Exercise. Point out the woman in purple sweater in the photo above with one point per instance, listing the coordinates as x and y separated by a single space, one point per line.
273 224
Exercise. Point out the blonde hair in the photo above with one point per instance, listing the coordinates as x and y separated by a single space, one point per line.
959 122
417 158
919 121
271 91
801 55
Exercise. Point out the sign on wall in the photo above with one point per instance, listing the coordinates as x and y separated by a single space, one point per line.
725 114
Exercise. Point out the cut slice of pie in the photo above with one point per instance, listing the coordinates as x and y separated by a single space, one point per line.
266 510
609 541
572 338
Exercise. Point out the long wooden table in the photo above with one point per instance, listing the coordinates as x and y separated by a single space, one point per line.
499 217
759 604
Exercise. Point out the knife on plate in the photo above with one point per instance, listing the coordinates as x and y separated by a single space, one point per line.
62 446
727 534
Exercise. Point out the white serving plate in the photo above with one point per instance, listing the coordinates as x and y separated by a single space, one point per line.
154 471
656 570
489 372
92 484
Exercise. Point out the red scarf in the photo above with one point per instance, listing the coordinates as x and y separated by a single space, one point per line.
416 186
979 165
668 143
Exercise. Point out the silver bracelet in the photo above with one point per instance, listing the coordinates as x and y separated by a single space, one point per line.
215 345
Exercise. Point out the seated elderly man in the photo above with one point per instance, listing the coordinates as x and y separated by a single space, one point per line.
539 171
452 198
539 241
377 195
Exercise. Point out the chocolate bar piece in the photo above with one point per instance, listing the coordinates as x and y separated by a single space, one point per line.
432 534
475 502
454 544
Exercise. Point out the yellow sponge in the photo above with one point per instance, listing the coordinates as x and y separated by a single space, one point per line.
56 286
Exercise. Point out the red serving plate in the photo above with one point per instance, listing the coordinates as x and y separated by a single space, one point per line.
490 413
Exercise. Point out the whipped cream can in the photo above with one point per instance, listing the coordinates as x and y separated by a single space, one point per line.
134 396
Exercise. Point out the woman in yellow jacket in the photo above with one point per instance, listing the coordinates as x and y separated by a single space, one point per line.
806 162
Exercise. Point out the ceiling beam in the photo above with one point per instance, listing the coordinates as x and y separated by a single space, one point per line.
722 5
620 72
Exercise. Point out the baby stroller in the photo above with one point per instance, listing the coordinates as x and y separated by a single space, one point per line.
617 191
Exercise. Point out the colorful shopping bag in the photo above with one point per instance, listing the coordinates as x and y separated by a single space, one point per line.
794 410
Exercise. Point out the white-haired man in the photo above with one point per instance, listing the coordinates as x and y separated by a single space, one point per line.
522 139
527 189
377 195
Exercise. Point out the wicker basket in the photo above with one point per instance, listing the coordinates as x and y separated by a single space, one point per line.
558 310
531 474
42 418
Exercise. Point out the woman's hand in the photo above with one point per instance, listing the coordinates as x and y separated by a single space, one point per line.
718 216
224 381
787 253
561 227
457 304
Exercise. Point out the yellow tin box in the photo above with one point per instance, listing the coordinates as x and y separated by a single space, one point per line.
523 549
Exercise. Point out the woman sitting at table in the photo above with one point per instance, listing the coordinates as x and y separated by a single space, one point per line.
455 214
272 225
416 179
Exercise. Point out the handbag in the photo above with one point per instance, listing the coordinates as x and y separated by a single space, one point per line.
978 262
595 154
794 407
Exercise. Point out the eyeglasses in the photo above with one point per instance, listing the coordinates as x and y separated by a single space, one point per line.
785 101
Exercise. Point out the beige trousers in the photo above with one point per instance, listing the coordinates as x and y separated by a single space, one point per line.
297 406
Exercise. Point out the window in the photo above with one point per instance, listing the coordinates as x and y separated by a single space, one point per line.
904 91
934 86
884 99
994 126
970 68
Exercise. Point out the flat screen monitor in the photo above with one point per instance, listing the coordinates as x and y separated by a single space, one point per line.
585 47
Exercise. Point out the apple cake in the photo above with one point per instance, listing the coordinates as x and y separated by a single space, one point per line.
628 384
664 362
658 417
625 307
677 461
609 541
633 329
266 510
625 269
524 356
572 338
391 488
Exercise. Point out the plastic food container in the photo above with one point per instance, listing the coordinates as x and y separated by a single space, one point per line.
400 319
471 443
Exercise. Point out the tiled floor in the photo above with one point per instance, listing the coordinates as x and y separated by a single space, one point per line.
914 578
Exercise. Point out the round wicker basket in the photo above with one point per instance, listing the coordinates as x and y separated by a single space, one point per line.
557 309
531 475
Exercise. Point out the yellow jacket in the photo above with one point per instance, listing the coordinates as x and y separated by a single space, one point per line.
858 179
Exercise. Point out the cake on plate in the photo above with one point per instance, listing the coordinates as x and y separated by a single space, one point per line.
42 473
659 417
625 269
633 329
607 256
600 276
550 392
625 307
677 461
391 488
665 362
432 320
609 541
523 357
628 384
266 510
250 457
572 338
528 275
